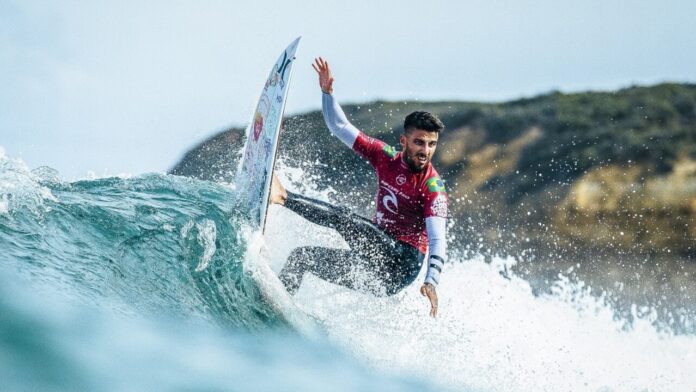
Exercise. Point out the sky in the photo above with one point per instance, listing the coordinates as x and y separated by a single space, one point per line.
127 87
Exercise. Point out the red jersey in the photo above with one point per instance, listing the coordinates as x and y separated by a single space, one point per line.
404 198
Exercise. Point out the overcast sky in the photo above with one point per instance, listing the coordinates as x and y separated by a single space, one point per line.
128 86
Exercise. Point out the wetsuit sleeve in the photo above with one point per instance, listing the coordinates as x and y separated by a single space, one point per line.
369 148
436 210
336 120
436 228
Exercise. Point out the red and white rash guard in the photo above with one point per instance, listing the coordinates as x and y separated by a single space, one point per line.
412 207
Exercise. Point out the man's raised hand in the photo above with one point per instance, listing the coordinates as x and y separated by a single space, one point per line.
325 78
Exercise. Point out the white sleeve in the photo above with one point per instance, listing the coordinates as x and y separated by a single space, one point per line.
336 120
436 228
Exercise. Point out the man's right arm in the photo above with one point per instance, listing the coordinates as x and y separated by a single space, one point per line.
338 123
336 120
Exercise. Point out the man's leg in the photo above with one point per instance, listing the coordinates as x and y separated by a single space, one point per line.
391 263
349 225
339 266
382 274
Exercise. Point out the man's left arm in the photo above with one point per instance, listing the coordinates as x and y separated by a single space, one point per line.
437 248
436 208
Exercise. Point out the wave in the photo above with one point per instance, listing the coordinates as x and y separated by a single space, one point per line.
152 243
149 269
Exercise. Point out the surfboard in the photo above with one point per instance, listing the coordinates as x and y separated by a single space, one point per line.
262 135
253 183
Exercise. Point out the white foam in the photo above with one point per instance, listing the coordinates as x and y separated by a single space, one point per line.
91 175
4 205
207 233
256 263
19 187
186 228
492 332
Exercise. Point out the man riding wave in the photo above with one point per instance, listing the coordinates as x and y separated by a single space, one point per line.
410 220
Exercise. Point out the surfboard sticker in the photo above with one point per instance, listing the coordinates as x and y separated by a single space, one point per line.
255 171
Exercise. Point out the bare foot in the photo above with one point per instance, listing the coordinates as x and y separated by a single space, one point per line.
278 193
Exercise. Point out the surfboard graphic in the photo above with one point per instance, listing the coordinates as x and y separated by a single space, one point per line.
262 135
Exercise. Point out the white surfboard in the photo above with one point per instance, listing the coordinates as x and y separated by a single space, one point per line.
254 182
262 134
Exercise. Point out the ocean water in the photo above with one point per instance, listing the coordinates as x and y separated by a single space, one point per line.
143 283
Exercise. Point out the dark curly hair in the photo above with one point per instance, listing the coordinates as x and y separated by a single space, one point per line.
422 120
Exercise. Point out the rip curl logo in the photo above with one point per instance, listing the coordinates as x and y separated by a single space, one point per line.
390 201
401 179
439 206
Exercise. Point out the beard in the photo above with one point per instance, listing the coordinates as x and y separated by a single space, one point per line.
413 163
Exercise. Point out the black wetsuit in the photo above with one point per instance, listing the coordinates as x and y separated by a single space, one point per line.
376 262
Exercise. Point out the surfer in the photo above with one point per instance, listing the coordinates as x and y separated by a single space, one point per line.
385 254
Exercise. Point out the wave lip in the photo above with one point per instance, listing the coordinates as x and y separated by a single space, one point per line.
149 244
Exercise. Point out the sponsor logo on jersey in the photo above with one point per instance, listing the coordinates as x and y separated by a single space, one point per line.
400 179
435 184
390 202
439 206
389 150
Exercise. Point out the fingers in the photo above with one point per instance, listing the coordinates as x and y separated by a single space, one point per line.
320 65
433 306
428 291
433 300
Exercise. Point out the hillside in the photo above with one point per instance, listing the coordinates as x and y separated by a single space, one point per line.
606 173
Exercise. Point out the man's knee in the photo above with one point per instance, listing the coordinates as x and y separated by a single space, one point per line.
397 278
293 257
301 258
392 289
292 273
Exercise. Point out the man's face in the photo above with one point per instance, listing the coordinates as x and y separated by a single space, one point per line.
418 148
